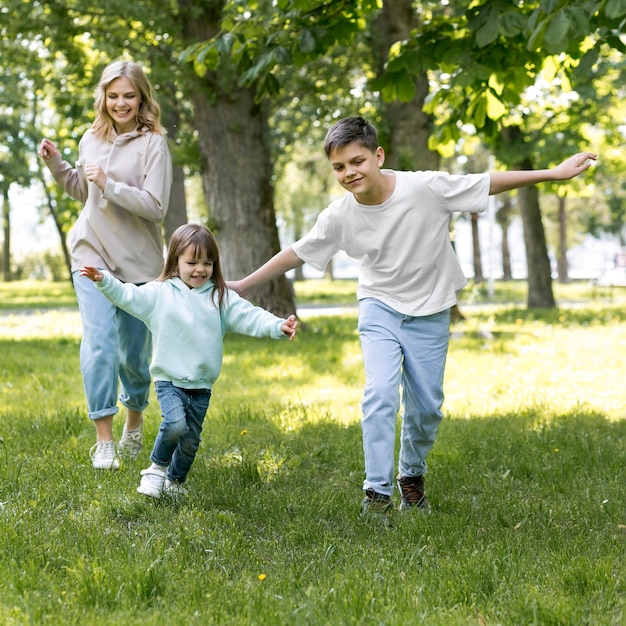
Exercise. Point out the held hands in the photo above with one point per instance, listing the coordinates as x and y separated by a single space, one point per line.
94 274
289 326
235 285
574 166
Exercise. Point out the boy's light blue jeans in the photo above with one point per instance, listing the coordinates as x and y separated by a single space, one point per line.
183 412
115 347
399 350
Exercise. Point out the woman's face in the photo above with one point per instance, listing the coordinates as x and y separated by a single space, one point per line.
122 104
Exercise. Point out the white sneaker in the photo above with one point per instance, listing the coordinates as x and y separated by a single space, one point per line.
131 443
103 455
151 483
174 488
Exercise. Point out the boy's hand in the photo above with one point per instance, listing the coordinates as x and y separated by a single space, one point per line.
235 285
574 165
93 273
289 327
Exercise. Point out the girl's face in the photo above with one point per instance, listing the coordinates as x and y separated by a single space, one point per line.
122 104
192 270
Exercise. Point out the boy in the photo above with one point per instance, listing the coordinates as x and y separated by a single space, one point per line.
396 224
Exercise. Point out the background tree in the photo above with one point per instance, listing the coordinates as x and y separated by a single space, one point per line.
491 55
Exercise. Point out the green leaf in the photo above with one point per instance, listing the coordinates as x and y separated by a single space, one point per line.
615 8
579 22
512 23
307 42
555 38
405 88
487 33
588 60
615 42
536 37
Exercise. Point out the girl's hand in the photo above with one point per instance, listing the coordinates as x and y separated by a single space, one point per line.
95 174
47 149
92 273
289 327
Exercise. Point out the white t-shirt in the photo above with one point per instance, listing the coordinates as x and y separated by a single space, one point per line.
404 246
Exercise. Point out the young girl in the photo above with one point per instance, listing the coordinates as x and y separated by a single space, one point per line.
123 177
189 310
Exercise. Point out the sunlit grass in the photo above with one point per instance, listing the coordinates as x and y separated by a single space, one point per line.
526 483
36 294
562 368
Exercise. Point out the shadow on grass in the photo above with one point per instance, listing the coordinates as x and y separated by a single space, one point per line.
514 497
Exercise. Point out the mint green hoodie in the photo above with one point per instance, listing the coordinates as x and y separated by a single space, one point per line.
187 327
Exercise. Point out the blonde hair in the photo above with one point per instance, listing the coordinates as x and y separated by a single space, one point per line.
149 113
203 242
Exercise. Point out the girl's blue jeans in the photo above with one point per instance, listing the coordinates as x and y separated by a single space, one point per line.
407 352
178 440
115 347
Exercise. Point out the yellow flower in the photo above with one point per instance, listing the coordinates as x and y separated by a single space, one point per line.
261 577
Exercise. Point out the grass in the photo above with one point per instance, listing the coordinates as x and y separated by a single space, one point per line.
526 481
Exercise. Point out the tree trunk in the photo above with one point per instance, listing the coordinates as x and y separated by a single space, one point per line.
407 128
477 258
236 168
539 272
177 210
6 228
503 217
537 260
562 266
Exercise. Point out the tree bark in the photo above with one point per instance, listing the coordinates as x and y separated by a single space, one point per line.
6 228
538 262
477 258
562 265
407 128
503 217
177 210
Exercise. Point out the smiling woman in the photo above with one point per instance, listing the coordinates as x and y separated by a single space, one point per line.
123 178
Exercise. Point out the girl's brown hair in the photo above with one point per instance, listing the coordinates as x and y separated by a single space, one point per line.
149 114
203 243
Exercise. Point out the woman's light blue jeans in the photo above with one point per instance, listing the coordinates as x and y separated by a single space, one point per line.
183 412
115 347
408 352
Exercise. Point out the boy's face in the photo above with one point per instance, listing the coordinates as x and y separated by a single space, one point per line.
357 169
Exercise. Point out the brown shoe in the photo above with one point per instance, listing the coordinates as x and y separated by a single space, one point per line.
376 506
412 493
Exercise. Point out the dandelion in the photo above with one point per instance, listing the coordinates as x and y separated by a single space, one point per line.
261 577
244 431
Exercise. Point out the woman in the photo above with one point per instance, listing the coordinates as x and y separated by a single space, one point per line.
123 177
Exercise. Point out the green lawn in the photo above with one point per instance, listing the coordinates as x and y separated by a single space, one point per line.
526 481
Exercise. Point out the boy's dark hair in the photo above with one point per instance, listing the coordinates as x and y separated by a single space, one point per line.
351 129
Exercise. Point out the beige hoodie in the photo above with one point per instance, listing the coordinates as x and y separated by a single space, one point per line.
119 229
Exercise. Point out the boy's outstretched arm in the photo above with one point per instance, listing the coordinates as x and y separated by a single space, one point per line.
280 263
505 181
